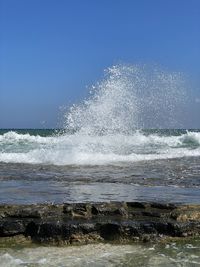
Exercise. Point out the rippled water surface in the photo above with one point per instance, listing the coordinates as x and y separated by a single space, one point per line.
172 254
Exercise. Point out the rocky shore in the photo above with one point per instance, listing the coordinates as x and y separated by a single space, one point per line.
82 223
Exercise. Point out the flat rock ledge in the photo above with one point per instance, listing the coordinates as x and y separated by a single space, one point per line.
83 223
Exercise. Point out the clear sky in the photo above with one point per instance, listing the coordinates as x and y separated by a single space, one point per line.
51 50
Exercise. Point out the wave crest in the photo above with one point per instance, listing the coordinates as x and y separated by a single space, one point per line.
69 149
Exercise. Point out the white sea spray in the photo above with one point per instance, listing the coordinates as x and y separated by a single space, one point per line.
105 128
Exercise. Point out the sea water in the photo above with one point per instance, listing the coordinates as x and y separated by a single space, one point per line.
106 151
172 254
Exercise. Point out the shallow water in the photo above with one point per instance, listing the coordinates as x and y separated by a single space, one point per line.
165 255
23 191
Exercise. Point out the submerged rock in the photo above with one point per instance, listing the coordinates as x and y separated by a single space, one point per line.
72 223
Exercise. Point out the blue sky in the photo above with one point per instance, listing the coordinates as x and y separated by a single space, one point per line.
52 50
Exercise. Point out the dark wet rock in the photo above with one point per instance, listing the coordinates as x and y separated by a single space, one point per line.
31 229
11 227
83 223
111 231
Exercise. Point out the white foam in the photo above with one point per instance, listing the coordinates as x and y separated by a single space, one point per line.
99 255
14 137
93 150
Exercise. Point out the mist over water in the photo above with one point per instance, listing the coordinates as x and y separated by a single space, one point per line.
130 97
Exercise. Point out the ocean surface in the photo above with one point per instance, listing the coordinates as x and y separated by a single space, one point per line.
100 156
58 166
174 254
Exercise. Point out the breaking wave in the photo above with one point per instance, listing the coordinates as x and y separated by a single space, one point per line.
103 128
78 148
